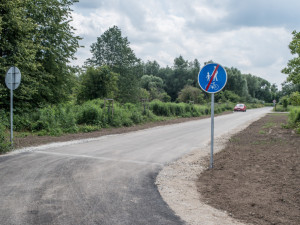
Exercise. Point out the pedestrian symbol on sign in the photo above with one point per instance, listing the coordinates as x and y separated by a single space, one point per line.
212 78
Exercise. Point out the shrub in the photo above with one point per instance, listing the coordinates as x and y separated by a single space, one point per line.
294 119
4 143
190 93
159 108
46 119
295 98
89 114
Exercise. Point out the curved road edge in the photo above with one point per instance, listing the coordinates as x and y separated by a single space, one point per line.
176 183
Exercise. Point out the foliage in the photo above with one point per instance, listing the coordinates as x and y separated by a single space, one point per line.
151 68
227 95
90 113
98 82
237 83
288 88
36 36
189 93
149 82
295 98
184 73
113 50
294 119
4 143
285 101
155 87
293 66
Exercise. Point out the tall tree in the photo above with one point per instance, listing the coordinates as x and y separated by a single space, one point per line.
293 66
58 46
113 50
37 37
151 68
98 82
237 83
17 47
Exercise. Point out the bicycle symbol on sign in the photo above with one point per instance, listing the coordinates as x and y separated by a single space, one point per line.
214 86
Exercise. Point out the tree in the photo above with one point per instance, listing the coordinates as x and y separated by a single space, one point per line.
293 66
155 86
179 77
237 83
37 37
295 98
288 88
151 68
17 47
98 82
189 93
113 50
149 82
252 84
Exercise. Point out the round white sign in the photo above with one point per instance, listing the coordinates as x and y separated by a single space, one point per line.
13 78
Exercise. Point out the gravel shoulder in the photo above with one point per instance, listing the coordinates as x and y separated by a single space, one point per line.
178 184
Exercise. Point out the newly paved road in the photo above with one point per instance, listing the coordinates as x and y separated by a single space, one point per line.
106 181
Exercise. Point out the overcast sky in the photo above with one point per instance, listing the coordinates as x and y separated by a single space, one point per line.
251 35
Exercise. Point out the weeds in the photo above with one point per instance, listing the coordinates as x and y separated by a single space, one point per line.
94 115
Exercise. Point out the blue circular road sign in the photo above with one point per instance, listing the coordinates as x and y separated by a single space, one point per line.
212 78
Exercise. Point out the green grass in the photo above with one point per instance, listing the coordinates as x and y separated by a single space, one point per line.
269 125
262 132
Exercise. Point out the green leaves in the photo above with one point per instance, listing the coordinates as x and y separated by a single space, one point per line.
98 82
36 36
293 66
113 50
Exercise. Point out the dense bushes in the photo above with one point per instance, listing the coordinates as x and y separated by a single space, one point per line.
96 114
294 119
4 123
4 143
186 110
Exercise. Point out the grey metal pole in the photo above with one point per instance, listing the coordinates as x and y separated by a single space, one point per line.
212 131
11 105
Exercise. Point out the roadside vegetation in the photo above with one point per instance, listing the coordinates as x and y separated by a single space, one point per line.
94 115
55 97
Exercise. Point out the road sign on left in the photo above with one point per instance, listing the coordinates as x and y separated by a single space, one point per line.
13 78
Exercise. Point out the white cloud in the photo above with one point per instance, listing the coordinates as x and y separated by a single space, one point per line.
252 36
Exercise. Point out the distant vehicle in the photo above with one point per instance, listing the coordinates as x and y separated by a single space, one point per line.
240 107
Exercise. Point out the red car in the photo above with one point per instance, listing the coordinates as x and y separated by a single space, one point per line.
240 107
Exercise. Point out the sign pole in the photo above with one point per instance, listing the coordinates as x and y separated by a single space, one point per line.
12 81
212 78
212 130
11 106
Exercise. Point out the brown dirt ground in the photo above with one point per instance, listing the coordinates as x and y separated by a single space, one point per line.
34 140
256 178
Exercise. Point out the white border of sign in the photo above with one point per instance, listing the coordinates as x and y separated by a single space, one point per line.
224 83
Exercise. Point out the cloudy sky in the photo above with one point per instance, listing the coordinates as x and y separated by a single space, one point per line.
251 35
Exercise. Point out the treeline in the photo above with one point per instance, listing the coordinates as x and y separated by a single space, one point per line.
123 76
37 38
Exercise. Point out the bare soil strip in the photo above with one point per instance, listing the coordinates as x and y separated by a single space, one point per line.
256 178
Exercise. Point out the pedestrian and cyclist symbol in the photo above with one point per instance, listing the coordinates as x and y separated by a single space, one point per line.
212 78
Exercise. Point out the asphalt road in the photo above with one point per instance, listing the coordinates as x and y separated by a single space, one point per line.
109 180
